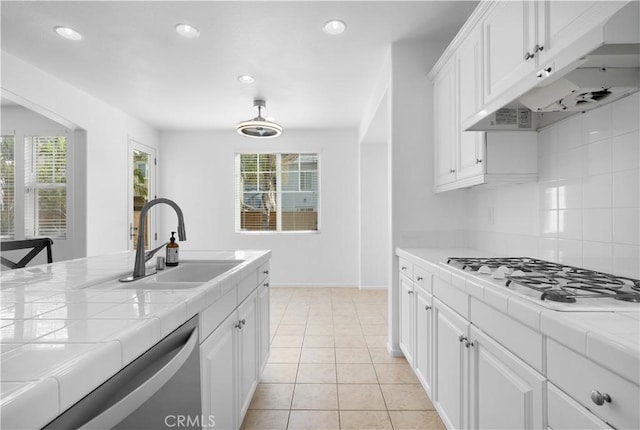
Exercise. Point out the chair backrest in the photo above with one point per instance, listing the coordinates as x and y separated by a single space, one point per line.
35 246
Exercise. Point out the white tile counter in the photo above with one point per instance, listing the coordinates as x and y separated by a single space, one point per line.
611 339
59 340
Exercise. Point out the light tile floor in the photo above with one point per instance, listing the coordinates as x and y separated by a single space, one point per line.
329 367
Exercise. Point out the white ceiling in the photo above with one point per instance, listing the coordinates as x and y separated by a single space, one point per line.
132 58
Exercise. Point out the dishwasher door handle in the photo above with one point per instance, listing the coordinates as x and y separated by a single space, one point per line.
136 398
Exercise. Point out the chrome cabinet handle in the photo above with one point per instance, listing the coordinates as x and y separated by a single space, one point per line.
467 344
452 171
266 272
528 56
462 338
537 48
427 307
600 398
478 161
410 292
403 268
420 278
238 326
243 321
266 284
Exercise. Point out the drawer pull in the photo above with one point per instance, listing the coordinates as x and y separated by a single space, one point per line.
238 326
266 284
427 308
420 278
600 398
462 338
410 292
467 344
528 56
403 268
266 272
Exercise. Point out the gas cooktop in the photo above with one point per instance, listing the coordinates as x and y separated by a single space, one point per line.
556 285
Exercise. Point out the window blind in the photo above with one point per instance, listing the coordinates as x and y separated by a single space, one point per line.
46 186
277 192
7 186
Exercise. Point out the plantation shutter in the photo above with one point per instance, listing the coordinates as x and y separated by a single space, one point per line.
46 186
7 186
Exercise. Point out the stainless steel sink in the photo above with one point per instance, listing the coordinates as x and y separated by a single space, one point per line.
189 274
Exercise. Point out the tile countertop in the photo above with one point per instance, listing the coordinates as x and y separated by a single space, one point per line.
611 339
59 340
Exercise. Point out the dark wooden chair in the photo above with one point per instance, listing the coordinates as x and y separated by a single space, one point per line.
35 246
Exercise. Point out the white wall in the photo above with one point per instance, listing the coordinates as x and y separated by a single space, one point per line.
584 209
106 161
419 218
198 173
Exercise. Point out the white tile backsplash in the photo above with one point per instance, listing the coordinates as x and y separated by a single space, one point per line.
626 151
626 191
587 199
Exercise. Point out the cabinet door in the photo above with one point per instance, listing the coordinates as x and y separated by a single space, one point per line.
505 392
449 366
445 133
406 318
508 34
263 325
218 369
247 351
423 357
560 23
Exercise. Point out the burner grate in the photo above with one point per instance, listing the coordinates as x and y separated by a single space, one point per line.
554 281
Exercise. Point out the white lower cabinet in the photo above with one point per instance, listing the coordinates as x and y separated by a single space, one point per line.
264 337
407 322
504 391
232 357
247 357
423 357
218 363
450 365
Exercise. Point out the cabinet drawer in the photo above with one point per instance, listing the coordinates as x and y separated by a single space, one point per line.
422 278
263 272
513 335
405 267
247 285
211 317
451 296
565 413
578 376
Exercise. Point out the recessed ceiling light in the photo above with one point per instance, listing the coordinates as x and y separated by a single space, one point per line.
334 27
246 79
187 31
68 33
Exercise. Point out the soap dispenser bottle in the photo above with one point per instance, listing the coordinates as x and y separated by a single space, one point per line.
172 251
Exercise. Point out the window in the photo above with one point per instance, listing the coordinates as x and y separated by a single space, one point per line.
45 186
277 192
37 206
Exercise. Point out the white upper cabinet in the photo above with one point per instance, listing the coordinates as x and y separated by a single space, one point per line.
470 145
445 130
508 45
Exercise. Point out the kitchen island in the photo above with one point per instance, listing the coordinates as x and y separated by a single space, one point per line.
62 336
489 356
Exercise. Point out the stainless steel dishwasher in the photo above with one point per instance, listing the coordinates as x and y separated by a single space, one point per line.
160 389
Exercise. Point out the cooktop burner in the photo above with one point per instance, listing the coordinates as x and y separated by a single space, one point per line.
553 282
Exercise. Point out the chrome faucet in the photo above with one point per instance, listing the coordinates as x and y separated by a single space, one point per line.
141 257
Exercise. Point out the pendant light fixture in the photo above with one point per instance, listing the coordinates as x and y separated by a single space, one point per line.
259 127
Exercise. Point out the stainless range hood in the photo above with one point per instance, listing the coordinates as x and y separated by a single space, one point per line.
607 73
